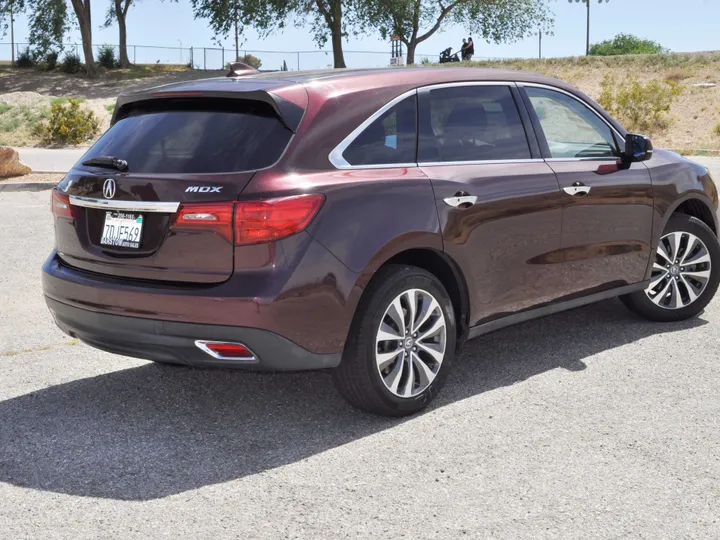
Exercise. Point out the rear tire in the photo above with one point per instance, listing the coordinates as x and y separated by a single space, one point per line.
680 286
393 371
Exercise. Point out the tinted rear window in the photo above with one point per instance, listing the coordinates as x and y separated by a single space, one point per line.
196 138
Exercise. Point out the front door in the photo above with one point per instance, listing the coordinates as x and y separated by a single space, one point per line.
499 204
608 204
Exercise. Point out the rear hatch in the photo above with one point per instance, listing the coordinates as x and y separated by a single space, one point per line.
163 209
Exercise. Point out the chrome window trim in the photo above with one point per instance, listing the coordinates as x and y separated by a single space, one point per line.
336 155
132 206
579 100
599 158
480 162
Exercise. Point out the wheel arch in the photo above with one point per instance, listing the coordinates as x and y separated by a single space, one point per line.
447 271
694 206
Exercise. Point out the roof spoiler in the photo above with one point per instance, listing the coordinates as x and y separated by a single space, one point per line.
238 69
289 113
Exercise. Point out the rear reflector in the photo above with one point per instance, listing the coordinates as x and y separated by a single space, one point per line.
61 206
223 350
273 219
253 222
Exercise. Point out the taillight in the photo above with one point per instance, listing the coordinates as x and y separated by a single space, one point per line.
61 206
254 221
273 219
216 217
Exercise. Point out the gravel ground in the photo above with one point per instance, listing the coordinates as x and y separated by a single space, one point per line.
586 424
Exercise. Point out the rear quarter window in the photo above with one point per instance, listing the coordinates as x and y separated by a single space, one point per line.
196 137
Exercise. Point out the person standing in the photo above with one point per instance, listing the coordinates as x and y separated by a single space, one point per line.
463 49
469 50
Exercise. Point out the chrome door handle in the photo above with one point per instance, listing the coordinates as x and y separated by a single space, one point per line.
467 200
577 190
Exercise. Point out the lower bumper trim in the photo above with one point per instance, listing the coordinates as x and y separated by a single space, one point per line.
174 342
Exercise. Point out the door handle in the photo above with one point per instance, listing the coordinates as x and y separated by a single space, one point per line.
461 199
578 189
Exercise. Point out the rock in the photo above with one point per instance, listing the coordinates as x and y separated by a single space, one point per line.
10 164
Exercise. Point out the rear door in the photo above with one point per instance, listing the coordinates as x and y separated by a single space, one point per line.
169 216
608 204
499 203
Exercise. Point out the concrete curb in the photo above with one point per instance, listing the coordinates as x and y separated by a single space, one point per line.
26 186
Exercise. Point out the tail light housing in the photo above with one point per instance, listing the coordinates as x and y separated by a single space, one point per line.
61 207
273 219
250 222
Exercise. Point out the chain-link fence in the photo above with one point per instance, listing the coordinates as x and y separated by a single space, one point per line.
213 58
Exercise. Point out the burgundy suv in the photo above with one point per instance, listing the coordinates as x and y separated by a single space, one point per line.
369 222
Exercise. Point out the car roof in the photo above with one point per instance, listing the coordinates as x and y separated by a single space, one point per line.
359 79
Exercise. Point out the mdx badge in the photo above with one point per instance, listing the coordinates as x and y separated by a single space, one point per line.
109 188
203 189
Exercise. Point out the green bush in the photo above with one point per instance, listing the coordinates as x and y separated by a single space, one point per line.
68 124
51 59
250 60
639 107
72 64
626 44
25 59
106 57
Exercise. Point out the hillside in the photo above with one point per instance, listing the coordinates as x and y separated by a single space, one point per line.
25 95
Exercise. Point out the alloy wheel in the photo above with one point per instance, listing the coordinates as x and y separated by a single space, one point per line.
681 271
410 343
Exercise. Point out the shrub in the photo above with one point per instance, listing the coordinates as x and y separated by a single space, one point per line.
640 107
106 57
716 130
424 60
25 59
68 124
71 64
678 74
626 44
250 60
51 59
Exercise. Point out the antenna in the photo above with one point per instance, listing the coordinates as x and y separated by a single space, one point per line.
238 69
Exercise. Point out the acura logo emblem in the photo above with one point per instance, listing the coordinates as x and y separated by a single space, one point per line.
109 188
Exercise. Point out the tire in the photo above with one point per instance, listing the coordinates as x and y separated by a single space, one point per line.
692 289
358 377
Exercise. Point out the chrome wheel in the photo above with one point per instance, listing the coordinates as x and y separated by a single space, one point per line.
681 271
410 343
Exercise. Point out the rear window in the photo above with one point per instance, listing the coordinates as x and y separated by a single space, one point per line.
196 137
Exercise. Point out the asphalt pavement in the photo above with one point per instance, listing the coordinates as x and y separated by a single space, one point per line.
587 424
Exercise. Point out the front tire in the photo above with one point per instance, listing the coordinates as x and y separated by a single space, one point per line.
686 273
401 343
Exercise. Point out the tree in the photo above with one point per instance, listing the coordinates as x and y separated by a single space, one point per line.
48 24
414 21
84 19
626 44
118 11
9 9
284 66
587 3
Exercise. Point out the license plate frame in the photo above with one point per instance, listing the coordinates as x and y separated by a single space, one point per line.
122 230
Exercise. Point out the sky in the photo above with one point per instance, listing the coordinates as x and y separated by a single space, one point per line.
690 25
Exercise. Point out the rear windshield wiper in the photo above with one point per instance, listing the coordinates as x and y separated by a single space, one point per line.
108 162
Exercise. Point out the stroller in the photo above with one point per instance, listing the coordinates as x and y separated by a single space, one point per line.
447 56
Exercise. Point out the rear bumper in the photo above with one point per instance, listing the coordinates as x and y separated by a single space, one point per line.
174 342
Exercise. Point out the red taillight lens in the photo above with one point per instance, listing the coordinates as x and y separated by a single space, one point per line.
61 206
273 219
223 350
216 217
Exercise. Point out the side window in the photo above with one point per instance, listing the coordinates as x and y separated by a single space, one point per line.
390 139
472 123
571 129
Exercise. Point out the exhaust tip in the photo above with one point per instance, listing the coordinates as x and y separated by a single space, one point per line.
225 350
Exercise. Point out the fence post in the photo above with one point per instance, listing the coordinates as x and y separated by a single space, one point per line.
76 50
204 59
223 58
298 55
192 60
134 54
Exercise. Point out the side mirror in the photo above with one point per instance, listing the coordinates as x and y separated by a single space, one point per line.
637 148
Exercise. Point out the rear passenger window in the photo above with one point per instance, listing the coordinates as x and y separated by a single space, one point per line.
390 139
472 123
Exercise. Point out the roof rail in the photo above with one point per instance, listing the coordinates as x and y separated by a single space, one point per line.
238 69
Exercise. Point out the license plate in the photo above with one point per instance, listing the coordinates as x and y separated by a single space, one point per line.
122 230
